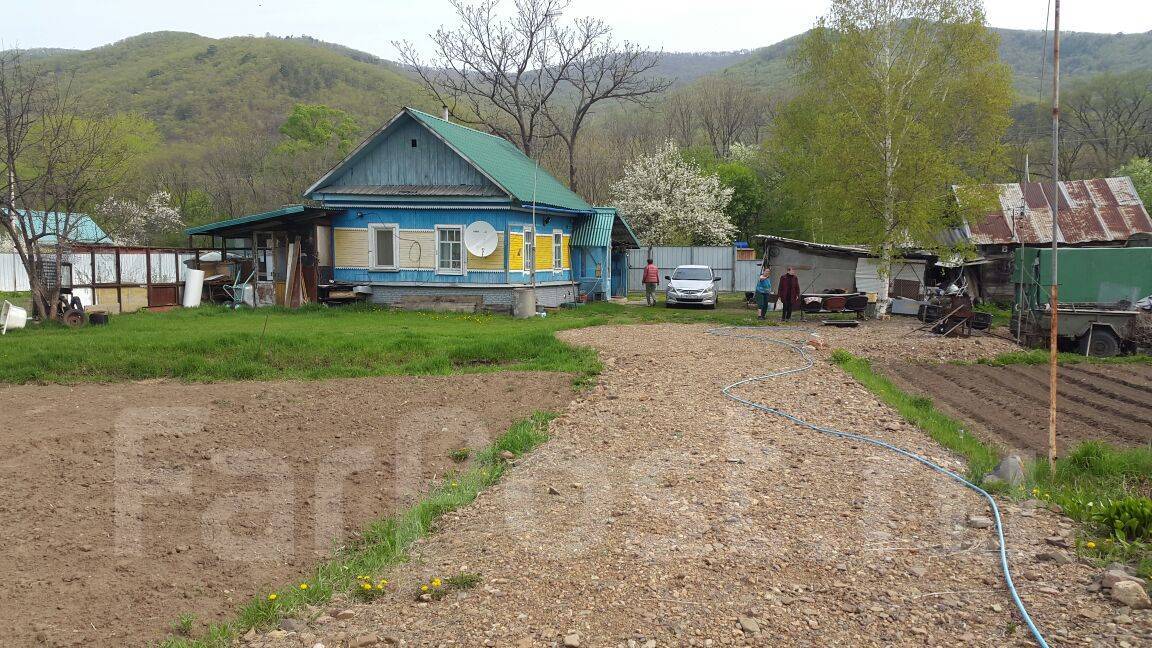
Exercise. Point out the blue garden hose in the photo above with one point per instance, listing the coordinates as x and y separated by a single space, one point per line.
808 364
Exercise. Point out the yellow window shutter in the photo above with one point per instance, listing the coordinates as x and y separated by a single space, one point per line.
494 261
417 250
515 251
543 253
350 247
567 250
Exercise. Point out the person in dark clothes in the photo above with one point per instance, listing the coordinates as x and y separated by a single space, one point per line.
764 292
789 292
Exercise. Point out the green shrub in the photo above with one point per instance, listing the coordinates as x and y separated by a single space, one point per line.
1128 519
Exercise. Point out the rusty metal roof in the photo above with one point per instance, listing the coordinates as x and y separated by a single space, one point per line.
1091 211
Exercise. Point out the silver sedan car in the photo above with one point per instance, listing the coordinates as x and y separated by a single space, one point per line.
692 285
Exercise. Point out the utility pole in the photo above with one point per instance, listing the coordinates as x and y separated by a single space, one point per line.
1055 304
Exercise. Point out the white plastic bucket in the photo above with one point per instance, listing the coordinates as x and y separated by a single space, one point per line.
12 317
193 288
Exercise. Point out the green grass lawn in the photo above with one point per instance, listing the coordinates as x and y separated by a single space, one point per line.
21 299
210 344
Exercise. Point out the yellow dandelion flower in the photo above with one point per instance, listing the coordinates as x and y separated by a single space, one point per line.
1090 544
303 586
366 586
272 597
423 588
380 586
454 484
436 582
383 581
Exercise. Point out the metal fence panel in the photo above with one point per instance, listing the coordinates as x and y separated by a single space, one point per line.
13 278
719 257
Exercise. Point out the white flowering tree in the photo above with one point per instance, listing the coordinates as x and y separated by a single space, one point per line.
133 223
670 201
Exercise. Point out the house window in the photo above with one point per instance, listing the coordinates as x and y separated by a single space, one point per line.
557 250
383 246
529 249
413 143
449 250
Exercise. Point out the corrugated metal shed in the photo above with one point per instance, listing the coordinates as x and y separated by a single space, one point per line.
1091 211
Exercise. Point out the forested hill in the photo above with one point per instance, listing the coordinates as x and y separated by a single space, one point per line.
194 87
1081 54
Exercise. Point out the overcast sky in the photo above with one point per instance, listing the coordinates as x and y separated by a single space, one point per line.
371 25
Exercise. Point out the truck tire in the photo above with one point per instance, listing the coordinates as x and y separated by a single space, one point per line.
1104 343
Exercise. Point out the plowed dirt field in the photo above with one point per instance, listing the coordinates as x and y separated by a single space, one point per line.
1009 405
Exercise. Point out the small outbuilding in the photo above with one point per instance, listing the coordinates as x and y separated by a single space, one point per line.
1102 212
826 268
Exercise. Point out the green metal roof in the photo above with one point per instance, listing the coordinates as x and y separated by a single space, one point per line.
507 165
495 157
214 228
596 231
81 227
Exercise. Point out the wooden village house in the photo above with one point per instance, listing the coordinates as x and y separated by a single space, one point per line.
427 212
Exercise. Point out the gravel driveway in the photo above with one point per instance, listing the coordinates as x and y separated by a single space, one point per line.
663 514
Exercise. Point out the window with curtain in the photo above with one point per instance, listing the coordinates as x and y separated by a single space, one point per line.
529 250
383 247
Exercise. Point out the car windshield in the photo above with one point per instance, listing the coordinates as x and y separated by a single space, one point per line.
693 274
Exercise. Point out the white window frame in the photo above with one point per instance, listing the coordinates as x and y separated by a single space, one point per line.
372 229
529 250
558 250
463 252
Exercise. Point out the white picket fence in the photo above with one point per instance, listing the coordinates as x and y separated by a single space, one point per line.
13 278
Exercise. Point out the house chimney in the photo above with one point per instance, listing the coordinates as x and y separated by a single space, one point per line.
445 112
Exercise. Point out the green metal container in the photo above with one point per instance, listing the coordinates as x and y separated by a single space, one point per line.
1087 275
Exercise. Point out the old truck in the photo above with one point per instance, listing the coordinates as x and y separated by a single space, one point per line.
1099 291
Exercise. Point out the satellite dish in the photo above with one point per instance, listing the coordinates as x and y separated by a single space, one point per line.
480 238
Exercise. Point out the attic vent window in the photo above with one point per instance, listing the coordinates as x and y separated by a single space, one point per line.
413 143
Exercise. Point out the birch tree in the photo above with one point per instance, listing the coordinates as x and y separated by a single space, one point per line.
670 201
897 101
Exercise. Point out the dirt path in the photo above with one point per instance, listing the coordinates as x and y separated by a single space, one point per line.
126 505
662 514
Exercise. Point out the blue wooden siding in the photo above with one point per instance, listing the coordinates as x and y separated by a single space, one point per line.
503 220
585 262
393 161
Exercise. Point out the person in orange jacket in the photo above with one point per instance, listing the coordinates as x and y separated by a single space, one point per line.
651 280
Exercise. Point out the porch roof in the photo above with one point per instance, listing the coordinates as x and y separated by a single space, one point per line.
268 220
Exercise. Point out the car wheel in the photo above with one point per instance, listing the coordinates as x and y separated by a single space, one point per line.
1099 342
